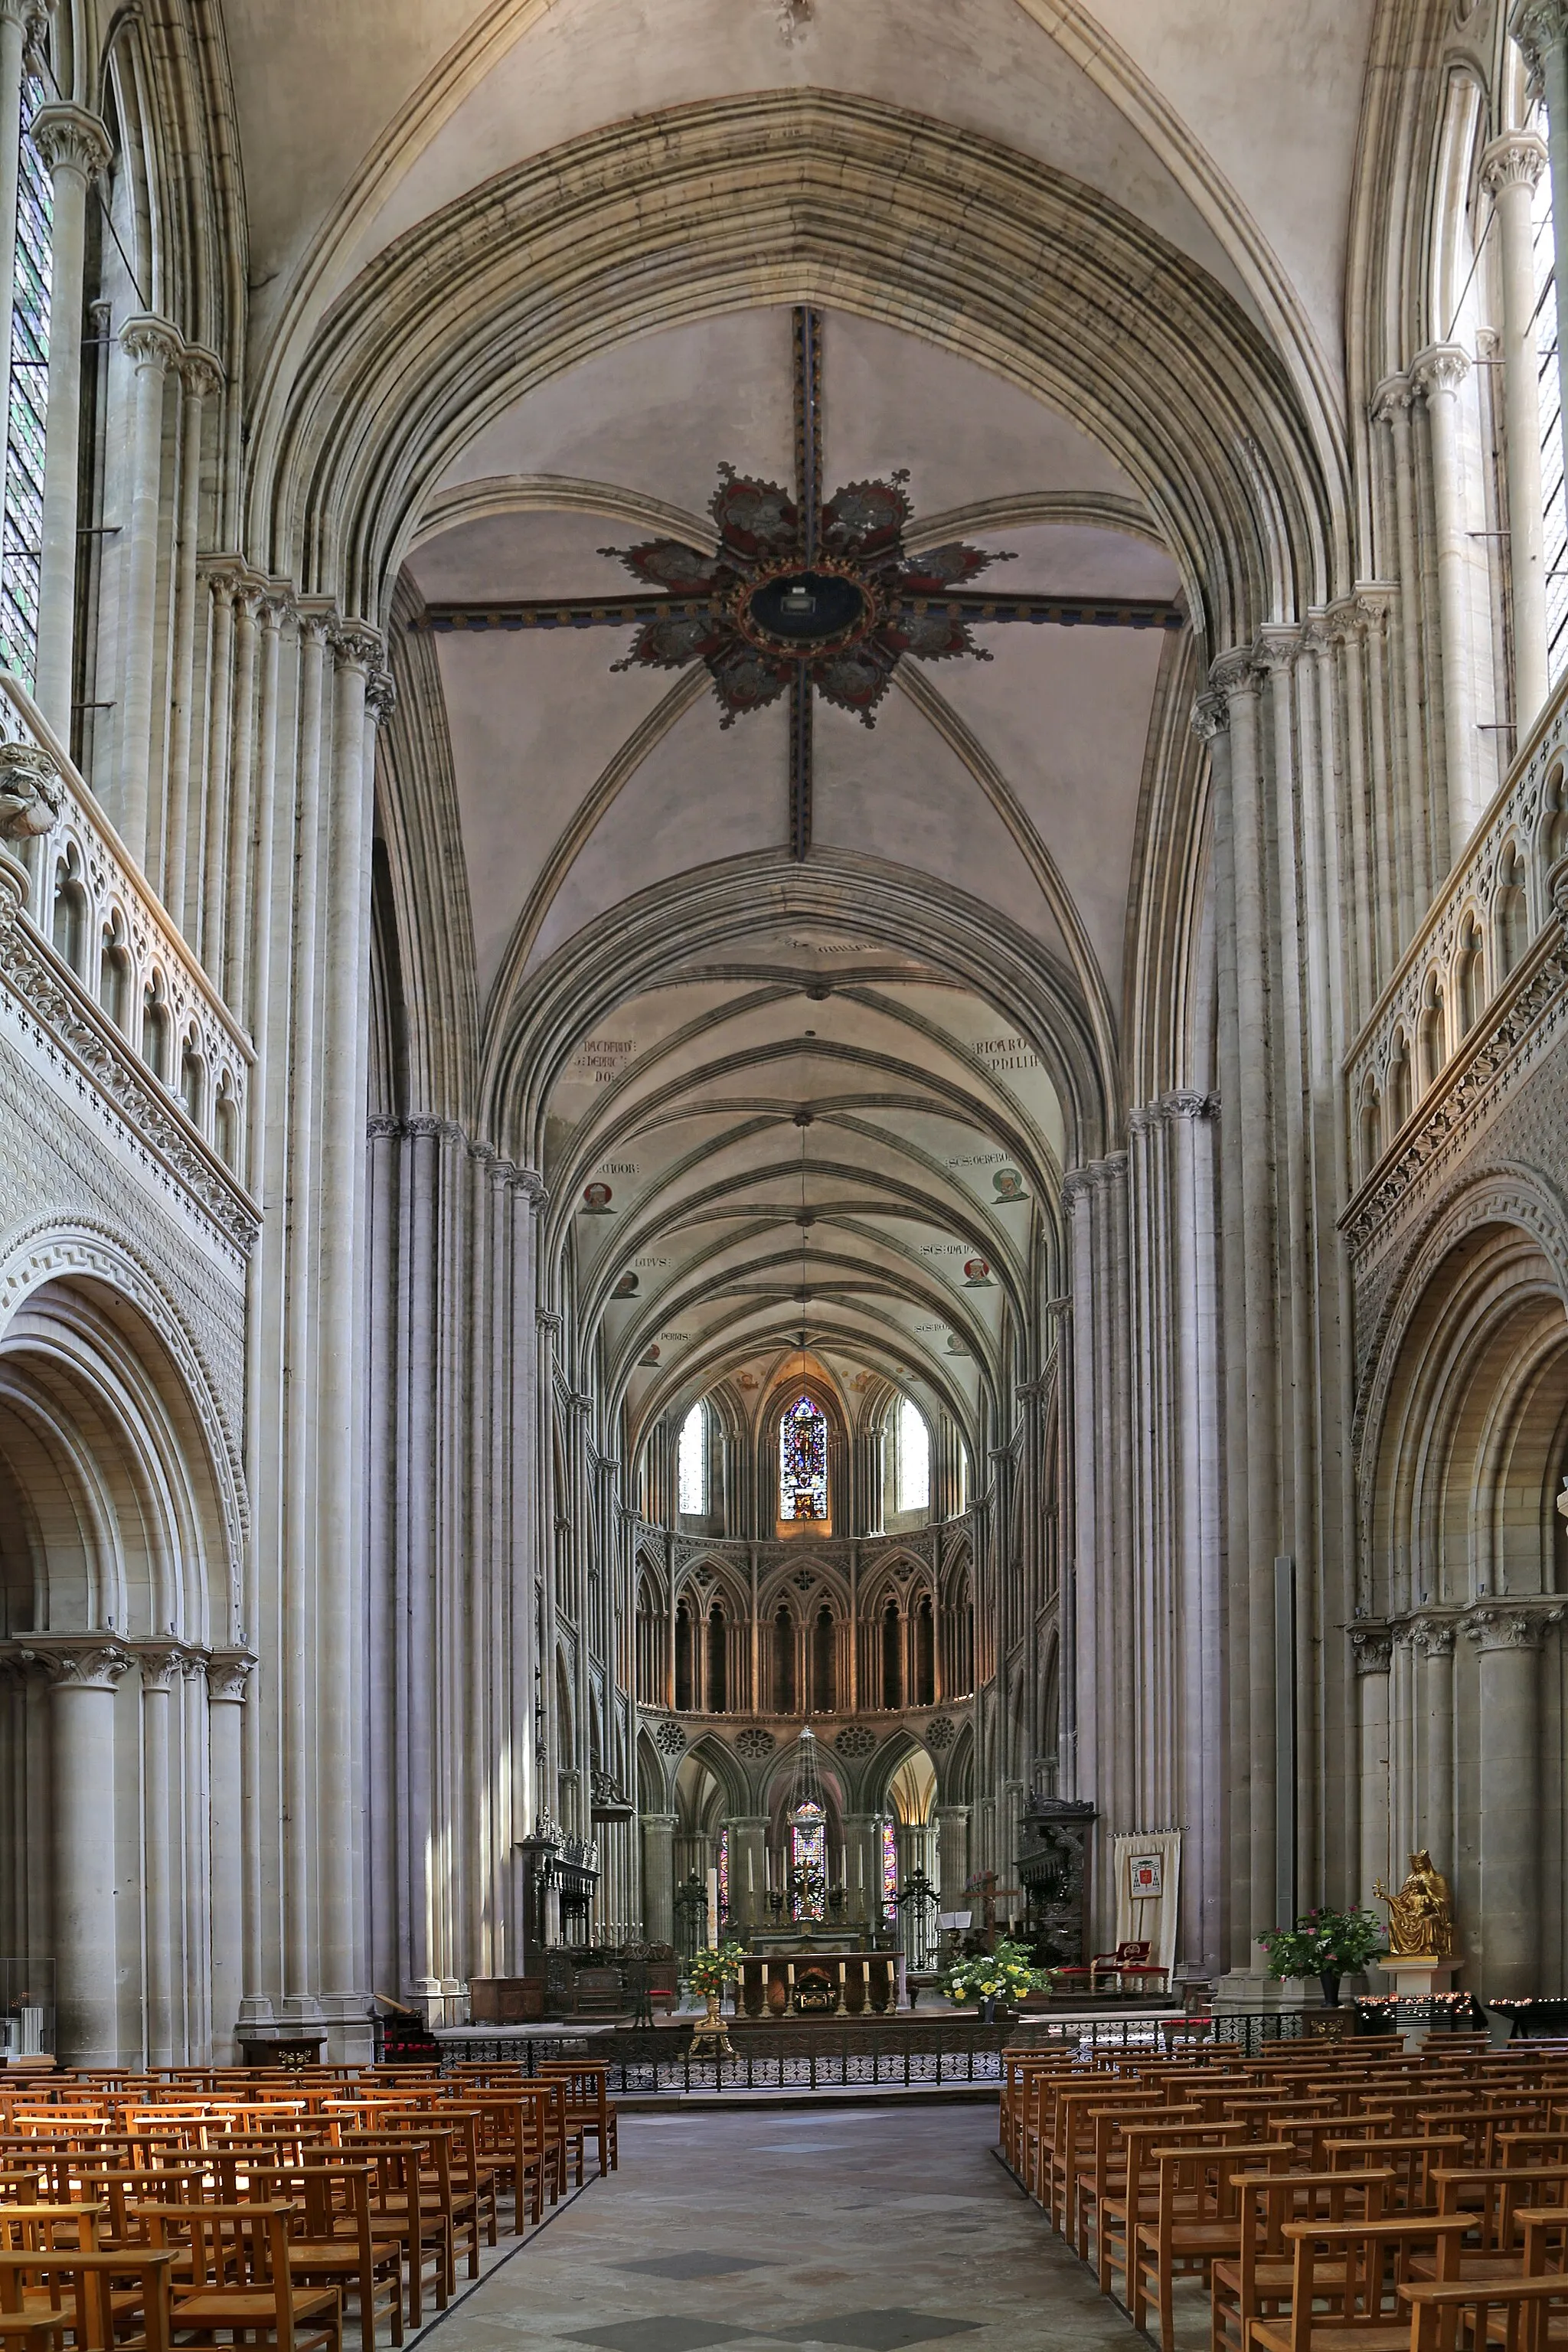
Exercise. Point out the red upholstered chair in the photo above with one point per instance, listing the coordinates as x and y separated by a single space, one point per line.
1128 1959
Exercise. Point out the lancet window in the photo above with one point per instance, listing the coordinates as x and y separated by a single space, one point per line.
27 392
803 1461
911 1486
808 1860
1548 395
691 1463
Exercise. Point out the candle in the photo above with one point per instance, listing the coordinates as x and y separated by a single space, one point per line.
751 1885
861 1866
843 1865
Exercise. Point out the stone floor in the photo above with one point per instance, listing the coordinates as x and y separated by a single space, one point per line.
853 2228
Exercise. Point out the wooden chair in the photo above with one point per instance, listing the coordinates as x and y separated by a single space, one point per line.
1196 2221
238 2258
403 2204
34 2311
1516 2315
1255 2281
1106 2171
332 2243
589 2105
1345 2278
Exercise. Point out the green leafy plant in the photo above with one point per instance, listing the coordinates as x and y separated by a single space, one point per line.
714 1966
1001 1975
1324 1942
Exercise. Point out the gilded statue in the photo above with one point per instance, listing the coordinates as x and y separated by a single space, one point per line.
1421 1916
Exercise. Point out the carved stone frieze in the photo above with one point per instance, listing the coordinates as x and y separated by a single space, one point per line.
31 793
86 1044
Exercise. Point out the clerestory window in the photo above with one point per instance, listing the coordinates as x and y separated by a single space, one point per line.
22 521
691 1463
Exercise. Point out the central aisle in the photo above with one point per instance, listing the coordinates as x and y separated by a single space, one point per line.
858 2228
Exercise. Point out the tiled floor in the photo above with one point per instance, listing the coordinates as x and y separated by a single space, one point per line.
859 2230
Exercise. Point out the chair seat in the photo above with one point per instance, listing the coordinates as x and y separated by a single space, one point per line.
251 2306
1272 2336
335 2254
1471 2266
1194 2238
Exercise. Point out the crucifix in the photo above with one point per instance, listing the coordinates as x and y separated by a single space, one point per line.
985 1886
801 595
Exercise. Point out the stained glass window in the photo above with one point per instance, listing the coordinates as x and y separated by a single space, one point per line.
22 530
723 1879
808 1860
803 1462
691 1462
913 1485
890 1867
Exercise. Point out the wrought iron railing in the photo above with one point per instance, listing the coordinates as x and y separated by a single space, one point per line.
909 2057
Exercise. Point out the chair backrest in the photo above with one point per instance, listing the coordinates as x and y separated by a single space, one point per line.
90 2276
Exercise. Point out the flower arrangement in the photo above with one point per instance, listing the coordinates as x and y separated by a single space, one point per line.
1001 1975
714 1966
1324 1943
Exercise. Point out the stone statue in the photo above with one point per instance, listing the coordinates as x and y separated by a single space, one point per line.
1421 1916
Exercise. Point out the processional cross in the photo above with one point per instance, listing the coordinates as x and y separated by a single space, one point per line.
985 1886
801 595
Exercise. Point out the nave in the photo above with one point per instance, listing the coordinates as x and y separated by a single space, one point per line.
862 2227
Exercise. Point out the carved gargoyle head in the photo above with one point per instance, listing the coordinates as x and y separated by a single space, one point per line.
31 794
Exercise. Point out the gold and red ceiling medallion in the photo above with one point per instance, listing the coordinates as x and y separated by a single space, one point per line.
829 598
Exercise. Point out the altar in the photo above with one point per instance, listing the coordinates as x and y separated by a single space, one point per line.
813 1979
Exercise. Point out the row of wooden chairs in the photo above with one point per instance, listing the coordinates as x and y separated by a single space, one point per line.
376 2185
1350 2198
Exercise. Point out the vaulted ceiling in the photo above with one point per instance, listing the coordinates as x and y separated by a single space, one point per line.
803 1127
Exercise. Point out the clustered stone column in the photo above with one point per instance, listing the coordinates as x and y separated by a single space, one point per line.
74 145
153 346
1371 1649
86 1672
1508 1641
1510 168
659 1877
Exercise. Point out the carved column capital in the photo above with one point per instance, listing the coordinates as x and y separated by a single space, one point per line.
227 1671
1210 717
79 1661
380 696
1186 1104
1395 397
151 343
70 138
1517 159
1433 1637
1509 1625
1441 367
201 371
1235 672
162 1664
357 645
1371 1649
1538 27
31 793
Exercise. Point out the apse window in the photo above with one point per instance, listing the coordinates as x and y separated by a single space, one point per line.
911 1485
691 1464
803 1461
